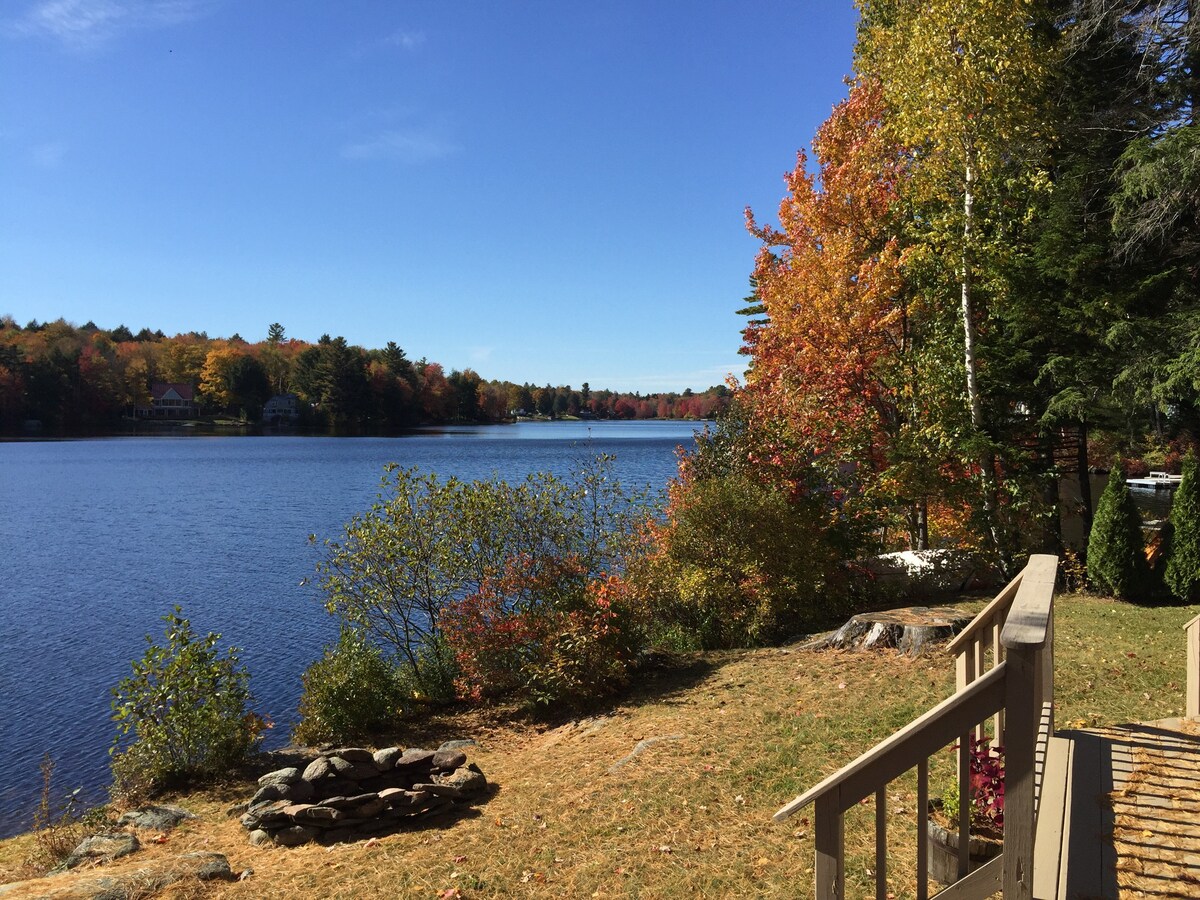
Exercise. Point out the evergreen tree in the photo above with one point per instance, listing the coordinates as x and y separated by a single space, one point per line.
1116 560
1183 565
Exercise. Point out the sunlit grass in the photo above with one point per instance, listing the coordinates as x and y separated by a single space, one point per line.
741 734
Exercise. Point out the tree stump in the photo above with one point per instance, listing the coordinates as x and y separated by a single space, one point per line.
912 630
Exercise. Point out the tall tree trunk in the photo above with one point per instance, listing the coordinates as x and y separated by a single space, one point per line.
986 459
923 524
1085 483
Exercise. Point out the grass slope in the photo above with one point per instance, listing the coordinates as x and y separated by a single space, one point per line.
741 734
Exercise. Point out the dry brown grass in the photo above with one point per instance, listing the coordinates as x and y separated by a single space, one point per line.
690 816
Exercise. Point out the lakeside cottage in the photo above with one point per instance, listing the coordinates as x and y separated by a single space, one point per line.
281 409
170 401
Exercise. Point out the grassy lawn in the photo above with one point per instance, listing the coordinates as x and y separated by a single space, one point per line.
740 735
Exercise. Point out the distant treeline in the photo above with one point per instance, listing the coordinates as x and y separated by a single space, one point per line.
68 378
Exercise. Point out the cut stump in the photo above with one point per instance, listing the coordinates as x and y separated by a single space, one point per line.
912 630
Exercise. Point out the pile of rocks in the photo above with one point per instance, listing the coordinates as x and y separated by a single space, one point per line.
352 792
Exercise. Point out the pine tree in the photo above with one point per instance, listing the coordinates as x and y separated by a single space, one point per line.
1183 565
1116 560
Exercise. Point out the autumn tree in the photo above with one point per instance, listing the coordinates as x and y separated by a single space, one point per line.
963 84
830 389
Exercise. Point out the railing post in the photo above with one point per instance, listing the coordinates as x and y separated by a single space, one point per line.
1193 668
1023 707
829 864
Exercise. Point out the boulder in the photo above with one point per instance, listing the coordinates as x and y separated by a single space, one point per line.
354 754
280 776
468 780
100 848
448 760
295 835
414 758
317 769
160 818
386 759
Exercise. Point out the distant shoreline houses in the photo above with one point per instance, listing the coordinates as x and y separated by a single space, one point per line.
282 409
170 401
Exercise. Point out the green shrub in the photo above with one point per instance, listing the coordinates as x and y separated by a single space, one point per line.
428 545
182 716
351 692
738 563
1183 564
1116 560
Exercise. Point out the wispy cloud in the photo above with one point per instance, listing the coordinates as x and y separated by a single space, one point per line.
404 39
408 145
89 23
49 155
480 354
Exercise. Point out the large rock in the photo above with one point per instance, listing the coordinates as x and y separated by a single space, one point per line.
317 769
100 848
280 776
920 574
161 818
354 754
386 759
468 780
415 758
295 836
448 760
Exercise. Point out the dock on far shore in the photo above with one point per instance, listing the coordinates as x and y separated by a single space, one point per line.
1156 481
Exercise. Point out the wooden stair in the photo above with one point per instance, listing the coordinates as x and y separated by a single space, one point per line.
1110 823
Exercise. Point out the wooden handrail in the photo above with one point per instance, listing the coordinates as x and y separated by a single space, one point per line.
1193 667
1018 630
984 618
891 758
1029 619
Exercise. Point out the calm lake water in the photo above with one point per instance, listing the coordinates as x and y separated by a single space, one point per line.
99 538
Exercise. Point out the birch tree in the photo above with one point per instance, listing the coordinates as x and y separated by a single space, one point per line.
964 84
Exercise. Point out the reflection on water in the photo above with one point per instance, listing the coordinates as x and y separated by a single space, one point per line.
100 538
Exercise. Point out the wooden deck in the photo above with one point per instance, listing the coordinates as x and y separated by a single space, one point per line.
1119 813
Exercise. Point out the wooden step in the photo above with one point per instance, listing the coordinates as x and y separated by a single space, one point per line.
1073 851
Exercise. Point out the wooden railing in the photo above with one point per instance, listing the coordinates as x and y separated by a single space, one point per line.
1193 667
1017 688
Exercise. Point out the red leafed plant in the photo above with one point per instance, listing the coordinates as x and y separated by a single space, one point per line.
541 630
987 785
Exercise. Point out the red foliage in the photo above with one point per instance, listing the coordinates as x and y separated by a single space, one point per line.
540 630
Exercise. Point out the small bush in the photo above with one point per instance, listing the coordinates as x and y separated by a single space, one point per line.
476 555
1183 563
182 716
738 564
541 632
351 692
1116 560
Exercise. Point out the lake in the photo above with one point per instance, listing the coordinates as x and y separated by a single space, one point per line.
100 538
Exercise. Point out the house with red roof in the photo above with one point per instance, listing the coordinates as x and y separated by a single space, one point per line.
170 401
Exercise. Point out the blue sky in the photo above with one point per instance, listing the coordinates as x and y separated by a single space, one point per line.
541 191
